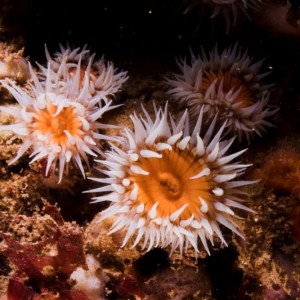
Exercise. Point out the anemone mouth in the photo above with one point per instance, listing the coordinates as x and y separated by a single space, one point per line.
57 124
172 183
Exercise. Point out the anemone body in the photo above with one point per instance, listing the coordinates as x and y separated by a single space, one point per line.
229 9
171 185
227 83
55 123
105 79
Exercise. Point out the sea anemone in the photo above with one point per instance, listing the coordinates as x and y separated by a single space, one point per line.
227 83
169 185
229 9
60 125
105 79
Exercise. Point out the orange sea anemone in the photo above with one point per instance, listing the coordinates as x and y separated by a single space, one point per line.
105 79
229 9
59 124
227 83
170 184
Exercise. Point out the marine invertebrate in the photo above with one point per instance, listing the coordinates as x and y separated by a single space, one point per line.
170 185
229 9
58 124
105 79
227 83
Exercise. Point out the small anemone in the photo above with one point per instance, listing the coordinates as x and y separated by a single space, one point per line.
226 83
105 79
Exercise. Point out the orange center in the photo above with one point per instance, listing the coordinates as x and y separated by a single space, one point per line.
245 97
48 123
169 183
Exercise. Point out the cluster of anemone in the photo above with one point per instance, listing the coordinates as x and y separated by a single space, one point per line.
171 184
58 116
227 83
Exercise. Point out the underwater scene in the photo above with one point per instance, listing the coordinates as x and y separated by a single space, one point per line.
150 150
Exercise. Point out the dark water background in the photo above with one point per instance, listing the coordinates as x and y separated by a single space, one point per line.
139 30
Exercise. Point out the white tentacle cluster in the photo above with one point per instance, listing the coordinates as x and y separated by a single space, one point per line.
105 79
227 83
58 119
171 185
